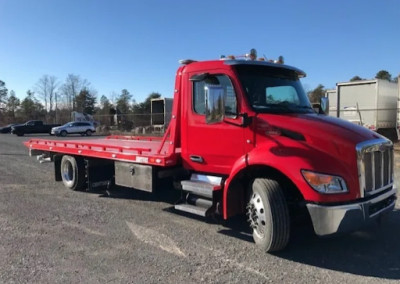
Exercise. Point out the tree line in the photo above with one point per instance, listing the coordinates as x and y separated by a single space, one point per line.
319 92
53 101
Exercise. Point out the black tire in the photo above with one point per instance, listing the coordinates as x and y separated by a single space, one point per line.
19 133
268 215
73 172
88 132
63 133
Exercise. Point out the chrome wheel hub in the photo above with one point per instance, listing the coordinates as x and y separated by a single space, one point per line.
256 214
67 173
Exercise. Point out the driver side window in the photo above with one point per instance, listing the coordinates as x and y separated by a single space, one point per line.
199 104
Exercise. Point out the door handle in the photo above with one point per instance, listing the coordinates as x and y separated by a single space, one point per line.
196 159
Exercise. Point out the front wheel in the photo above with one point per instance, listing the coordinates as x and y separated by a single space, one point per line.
73 172
63 133
268 215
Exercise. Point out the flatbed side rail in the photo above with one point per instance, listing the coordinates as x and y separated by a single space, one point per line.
88 146
138 138
139 155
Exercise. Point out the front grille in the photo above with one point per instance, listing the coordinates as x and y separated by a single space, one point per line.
375 166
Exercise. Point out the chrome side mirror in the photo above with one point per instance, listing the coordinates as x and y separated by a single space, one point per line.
324 106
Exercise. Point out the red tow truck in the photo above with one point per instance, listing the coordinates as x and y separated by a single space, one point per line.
244 139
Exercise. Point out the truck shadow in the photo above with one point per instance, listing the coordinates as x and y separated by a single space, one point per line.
374 251
167 195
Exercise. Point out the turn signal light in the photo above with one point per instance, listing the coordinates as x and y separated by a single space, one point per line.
327 184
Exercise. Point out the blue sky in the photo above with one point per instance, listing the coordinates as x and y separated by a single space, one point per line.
136 45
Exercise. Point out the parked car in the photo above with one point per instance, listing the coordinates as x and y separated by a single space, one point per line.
7 128
74 127
32 126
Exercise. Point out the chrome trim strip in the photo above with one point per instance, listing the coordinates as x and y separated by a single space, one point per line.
329 220
382 169
372 171
390 168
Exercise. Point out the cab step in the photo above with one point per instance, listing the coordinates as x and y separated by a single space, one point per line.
201 188
196 210
199 194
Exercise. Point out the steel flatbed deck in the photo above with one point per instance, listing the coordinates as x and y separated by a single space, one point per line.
135 149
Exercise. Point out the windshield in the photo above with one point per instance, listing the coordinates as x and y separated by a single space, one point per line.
273 90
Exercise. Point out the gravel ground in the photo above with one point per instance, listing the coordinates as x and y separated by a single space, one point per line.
49 234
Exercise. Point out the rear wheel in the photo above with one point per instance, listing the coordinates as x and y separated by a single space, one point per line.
268 215
89 132
73 172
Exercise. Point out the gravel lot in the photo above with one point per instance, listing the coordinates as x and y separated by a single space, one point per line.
49 234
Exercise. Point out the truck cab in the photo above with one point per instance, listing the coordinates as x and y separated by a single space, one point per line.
251 123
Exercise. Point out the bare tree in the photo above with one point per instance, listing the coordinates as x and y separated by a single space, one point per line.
45 88
71 88
53 84
41 89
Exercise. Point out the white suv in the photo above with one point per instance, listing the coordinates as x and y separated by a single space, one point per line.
75 127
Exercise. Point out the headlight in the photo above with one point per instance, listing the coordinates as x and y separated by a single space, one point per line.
326 184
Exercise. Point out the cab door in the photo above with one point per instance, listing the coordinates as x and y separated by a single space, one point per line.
212 147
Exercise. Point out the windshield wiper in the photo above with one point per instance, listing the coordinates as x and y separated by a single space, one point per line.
275 107
283 106
305 107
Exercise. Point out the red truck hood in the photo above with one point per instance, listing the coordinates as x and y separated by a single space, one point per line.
327 134
312 142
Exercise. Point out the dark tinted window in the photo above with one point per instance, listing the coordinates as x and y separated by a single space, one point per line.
82 124
273 89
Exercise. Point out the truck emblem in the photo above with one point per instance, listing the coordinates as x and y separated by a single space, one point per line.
382 148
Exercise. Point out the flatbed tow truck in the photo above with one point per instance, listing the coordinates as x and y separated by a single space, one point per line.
244 139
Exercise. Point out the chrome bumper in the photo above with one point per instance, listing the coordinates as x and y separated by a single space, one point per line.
329 220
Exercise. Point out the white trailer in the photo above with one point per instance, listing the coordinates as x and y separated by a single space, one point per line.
332 96
370 103
161 110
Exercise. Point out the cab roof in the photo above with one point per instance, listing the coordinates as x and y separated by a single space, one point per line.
299 72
